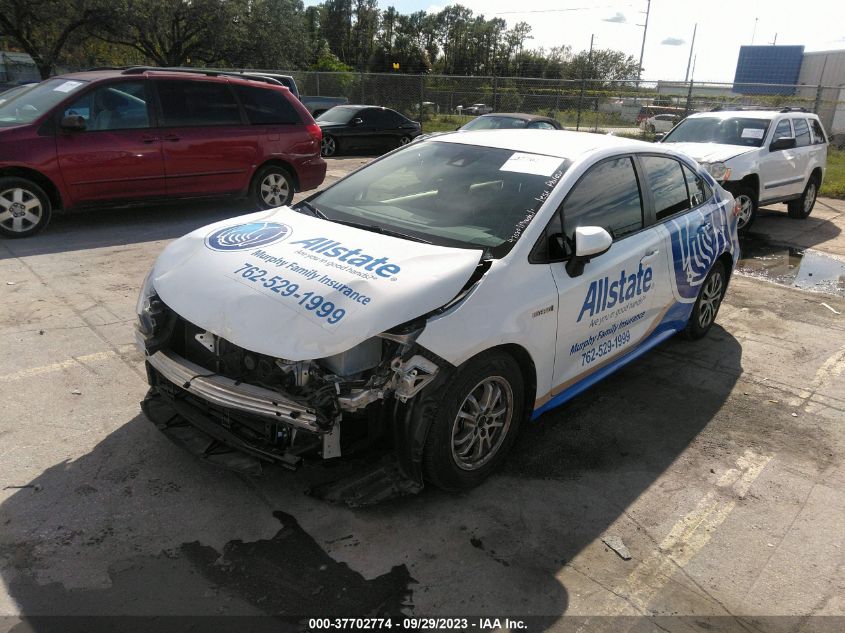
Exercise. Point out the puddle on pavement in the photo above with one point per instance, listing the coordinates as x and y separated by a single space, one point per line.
806 269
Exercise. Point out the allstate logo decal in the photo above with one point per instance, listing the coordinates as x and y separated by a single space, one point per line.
242 237
697 240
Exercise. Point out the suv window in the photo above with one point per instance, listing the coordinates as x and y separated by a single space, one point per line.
783 130
607 196
667 185
117 106
197 103
266 106
818 132
802 132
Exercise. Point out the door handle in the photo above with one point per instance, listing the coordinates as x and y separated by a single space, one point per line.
146 138
650 255
171 137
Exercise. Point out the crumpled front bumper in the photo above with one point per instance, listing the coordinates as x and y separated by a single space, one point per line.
231 394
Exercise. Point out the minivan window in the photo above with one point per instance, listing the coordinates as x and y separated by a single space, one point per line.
802 132
667 184
266 106
607 196
33 103
197 104
117 106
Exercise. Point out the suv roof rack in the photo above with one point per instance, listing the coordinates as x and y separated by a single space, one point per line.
720 108
137 70
794 109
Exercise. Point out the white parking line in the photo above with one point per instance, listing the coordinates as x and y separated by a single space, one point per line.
77 361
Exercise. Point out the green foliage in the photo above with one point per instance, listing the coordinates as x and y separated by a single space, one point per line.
834 177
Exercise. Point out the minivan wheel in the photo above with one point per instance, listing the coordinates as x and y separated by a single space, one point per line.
707 305
272 187
801 208
328 146
747 208
25 208
475 423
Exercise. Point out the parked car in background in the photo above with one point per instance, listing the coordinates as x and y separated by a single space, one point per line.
92 138
660 123
646 112
317 105
512 121
365 127
477 108
760 156
286 80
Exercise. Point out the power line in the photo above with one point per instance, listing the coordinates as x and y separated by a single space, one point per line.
608 6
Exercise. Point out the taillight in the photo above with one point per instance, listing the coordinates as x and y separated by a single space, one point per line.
314 130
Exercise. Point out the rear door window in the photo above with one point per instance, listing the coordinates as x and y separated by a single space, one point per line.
266 106
665 179
699 191
607 196
818 132
802 132
197 104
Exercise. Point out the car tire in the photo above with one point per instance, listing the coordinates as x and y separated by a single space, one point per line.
708 303
404 140
328 146
474 422
801 208
25 208
747 208
273 186
652 129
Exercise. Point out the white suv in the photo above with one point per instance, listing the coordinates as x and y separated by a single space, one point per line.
760 156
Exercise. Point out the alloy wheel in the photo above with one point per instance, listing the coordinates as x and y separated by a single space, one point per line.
809 198
275 189
20 210
482 423
711 297
328 146
746 208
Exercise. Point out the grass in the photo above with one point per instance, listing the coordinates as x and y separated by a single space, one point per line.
834 179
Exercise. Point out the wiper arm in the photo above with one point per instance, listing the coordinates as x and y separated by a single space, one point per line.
314 210
376 228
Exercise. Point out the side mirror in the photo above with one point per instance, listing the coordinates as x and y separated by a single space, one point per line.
659 136
73 123
590 241
357 121
782 143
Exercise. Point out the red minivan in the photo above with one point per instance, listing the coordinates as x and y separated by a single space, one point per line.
120 136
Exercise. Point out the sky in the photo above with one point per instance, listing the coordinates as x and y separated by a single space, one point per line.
723 26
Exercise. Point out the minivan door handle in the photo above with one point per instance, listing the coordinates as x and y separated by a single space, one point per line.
171 137
147 138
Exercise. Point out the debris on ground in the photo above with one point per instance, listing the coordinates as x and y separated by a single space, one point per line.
35 487
76 392
615 543
835 311
10 283
794 415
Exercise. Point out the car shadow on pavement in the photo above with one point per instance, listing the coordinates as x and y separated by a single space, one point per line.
774 224
103 227
138 527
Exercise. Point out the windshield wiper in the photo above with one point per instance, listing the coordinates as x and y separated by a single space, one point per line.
314 210
377 228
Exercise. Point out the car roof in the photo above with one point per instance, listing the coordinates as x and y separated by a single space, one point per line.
749 114
561 143
196 75
518 115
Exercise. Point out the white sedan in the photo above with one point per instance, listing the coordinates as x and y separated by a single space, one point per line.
440 297
660 123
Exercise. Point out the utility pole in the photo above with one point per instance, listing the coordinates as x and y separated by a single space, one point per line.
774 43
691 48
583 80
642 48
754 32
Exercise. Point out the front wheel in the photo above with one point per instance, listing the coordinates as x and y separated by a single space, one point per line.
747 208
328 146
707 305
25 208
404 140
272 187
475 422
801 208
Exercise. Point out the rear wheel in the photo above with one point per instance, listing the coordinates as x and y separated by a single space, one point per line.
707 305
404 140
272 187
474 422
328 146
25 208
747 208
801 208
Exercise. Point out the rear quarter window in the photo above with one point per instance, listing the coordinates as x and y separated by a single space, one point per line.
265 106
197 103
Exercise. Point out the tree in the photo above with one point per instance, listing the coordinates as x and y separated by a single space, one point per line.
42 28
174 32
606 65
272 34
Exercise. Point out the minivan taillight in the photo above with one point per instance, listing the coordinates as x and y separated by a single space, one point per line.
315 132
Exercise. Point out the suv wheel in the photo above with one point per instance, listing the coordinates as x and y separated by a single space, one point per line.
272 187
707 305
747 208
25 208
803 206
474 423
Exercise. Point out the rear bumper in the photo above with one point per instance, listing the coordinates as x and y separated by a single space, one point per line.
311 173
227 393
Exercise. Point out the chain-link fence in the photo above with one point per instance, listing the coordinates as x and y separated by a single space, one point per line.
444 102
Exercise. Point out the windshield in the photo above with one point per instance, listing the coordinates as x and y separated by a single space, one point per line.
733 131
449 194
28 105
495 123
338 114
11 93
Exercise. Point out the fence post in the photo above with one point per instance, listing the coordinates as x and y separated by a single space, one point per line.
580 103
422 95
817 105
317 76
495 94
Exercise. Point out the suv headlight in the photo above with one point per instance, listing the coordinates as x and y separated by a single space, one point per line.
719 171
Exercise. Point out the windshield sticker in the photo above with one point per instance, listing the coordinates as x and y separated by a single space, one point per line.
531 164
67 86
752 132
